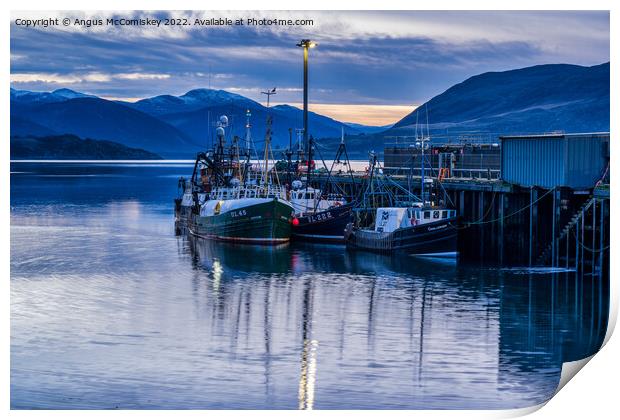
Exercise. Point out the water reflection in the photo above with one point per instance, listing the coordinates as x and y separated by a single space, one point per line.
308 375
110 309
469 336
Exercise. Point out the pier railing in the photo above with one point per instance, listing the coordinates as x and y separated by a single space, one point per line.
474 173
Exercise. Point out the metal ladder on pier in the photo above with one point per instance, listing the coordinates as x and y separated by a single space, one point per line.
543 258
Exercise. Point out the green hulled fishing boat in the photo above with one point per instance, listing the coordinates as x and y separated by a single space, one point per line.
231 199
264 218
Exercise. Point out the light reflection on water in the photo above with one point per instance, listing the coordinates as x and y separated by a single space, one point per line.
110 309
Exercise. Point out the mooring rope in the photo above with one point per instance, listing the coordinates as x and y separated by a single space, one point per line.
482 222
594 251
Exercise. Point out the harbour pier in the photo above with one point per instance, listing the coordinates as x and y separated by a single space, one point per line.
541 200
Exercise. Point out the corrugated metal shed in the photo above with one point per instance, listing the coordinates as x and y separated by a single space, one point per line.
555 160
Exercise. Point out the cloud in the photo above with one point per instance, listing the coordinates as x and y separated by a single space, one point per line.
142 76
58 78
17 57
82 78
372 58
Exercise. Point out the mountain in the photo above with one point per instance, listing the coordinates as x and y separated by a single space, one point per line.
73 147
24 127
192 112
91 117
552 97
173 126
369 129
70 94
35 98
196 123
191 101
320 125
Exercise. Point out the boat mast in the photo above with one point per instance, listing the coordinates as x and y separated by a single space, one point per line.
308 172
299 145
342 149
289 154
219 154
266 152
428 138
236 158
424 139
248 145
422 159
248 133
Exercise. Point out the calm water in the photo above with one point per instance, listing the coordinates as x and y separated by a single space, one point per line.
109 309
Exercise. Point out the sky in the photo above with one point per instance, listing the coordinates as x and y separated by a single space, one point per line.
368 67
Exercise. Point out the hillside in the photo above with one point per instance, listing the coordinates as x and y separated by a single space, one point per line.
72 147
553 97
191 113
89 117
35 98
196 123
191 101
173 126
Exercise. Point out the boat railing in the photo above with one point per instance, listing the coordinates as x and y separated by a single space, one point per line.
374 240
248 191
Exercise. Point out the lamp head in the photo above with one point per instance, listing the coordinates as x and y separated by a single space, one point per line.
306 43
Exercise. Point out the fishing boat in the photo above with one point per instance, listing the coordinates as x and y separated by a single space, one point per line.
320 216
416 230
231 199
416 227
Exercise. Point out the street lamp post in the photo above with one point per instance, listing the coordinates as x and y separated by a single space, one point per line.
306 44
